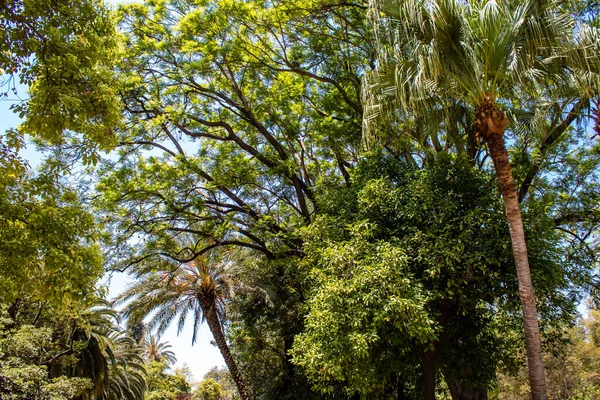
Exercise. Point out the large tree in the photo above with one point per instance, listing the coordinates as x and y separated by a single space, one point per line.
483 57
234 113
427 249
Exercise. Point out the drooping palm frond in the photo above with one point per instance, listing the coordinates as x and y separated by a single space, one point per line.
111 359
435 54
127 372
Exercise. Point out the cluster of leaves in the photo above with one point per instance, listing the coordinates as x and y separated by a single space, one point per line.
45 231
165 386
65 57
208 389
24 352
408 261
216 385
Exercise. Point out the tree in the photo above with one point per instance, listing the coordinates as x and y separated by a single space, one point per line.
228 130
208 389
163 385
154 350
165 291
65 57
46 231
430 239
109 357
483 56
23 371
223 378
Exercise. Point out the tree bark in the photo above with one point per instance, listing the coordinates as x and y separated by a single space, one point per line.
508 189
428 359
215 327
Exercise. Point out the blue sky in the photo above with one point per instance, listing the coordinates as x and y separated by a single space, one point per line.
199 358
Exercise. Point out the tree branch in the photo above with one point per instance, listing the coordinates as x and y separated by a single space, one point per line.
554 135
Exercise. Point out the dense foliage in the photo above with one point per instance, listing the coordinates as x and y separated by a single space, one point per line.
329 261
45 231
425 251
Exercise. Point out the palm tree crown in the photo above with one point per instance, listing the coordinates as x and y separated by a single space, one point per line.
154 350
172 292
439 50
165 291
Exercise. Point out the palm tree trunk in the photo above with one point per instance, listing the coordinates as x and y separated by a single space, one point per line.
215 327
508 189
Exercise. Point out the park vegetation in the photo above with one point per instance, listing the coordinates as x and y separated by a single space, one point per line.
392 199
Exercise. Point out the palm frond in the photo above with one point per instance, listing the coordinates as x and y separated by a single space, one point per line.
436 54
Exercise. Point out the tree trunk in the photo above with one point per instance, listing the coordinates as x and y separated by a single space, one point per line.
215 327
288 368
508 189
428 359
466 392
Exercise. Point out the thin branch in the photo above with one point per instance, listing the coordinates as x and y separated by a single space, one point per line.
554 135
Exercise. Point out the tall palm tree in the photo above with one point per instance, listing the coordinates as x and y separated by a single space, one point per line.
440 55
155 350
168 291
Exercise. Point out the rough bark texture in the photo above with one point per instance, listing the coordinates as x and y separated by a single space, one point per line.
428 359
215 327
597 119
491 123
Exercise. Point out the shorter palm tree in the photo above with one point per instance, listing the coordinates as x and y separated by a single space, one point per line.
154 350
110 358
126 370
167 291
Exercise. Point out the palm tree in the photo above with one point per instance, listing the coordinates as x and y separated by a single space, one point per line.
154 350
441 55
126 370
110 358
168 291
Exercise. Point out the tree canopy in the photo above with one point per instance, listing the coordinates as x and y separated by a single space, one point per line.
312 179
